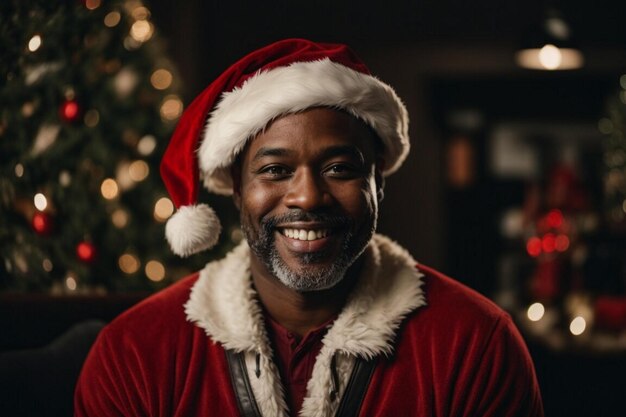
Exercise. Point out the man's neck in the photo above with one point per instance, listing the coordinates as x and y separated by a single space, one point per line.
301 312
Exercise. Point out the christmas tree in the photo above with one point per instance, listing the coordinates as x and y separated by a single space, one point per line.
88 101
614 126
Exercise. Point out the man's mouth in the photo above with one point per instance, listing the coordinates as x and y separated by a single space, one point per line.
305 234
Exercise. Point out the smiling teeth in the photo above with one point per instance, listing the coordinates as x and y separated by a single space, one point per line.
303 234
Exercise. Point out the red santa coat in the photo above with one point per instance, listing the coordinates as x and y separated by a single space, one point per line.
443 349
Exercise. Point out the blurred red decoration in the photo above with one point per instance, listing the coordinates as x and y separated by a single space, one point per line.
42 223
545 284
555 219
533 246
86 252
562 243
69 111
610 312
548 243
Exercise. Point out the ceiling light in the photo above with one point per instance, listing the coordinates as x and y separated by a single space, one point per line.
549 46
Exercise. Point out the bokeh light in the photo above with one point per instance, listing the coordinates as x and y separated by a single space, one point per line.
138 170
161 79
155 271
578 326
171 108
119 218
163 209
34 43
112 19
40 201
109 189
536 311
129 263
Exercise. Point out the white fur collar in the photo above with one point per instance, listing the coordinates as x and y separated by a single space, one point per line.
223 303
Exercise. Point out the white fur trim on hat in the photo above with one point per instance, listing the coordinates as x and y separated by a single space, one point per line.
245 111
192 229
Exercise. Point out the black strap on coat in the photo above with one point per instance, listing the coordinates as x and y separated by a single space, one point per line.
350 402
241 384
357 387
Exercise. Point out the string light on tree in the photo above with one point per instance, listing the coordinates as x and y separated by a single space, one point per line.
112 19
155 271
46 137
119 218
34 43
109 189
92 118
40 201
129 263
28 109
163 209
141 31
138 170
19 170
172 108
140 13
65 178
46 264
125 82
161 79
122 176
92 4
71 281
146 145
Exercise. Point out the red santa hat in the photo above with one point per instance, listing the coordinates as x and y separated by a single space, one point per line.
285 77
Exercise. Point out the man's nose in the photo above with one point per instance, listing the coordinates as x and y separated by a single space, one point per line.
307 191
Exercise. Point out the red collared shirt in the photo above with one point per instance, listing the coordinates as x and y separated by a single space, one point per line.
295 357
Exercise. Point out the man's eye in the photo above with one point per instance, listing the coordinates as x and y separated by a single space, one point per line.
342 171
274 171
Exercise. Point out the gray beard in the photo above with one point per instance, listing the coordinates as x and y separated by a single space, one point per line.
306 279
314 279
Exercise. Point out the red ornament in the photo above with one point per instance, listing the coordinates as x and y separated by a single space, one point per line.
42 223
86 252
69 111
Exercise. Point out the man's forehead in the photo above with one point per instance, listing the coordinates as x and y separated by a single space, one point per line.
330 151
329 130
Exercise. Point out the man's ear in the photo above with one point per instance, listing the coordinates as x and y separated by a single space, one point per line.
379 178
235 174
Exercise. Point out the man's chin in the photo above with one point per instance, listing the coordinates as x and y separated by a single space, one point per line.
310 278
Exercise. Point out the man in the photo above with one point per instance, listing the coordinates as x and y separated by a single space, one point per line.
314 314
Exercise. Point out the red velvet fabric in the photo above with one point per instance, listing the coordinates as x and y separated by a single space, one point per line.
295 357
152 362
458 356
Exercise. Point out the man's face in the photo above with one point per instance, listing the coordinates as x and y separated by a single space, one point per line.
306 189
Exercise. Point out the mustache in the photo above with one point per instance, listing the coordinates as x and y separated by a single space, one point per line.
297 215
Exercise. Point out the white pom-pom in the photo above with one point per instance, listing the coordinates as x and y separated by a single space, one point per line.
192 229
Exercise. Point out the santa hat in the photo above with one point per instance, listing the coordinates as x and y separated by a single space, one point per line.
285 77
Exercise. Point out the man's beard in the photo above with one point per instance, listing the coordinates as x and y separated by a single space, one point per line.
315 277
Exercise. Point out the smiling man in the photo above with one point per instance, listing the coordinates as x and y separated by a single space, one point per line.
314 314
